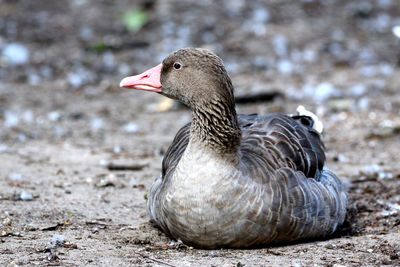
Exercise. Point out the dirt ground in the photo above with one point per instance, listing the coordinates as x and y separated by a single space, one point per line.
78 154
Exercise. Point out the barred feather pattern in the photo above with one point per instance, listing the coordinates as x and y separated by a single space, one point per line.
277 191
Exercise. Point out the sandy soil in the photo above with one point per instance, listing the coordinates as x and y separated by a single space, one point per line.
77 154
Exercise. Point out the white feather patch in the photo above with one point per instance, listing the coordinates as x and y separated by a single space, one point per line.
318 126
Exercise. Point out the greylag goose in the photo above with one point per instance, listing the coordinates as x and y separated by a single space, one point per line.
233 180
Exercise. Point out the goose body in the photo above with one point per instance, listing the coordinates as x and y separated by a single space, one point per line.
233 180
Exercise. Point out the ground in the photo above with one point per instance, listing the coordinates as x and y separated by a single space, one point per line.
78 154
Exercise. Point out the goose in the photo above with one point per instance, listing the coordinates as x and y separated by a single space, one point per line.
237 181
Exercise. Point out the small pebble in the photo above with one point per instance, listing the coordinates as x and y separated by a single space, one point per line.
310 55
13 264
382 22
368 71
341 158
123 69
285 67
108 60
117 149
75 80
4 148
280 44
22 137
59 131
385 3
396 31
27 116
33 79
133 182
386 129
324 91
26 196
387 213
368 56
11 119
80 76
86 33
386 69
371 170
358 90
6 221
130 127
393 206
376 70
341 104
46 72
16 54
96 124
30 227
57 241
54 116
261 15
330 246
363 104
110 180
15 177
103 162
375 171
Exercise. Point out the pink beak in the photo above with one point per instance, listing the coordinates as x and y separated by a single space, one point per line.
148 80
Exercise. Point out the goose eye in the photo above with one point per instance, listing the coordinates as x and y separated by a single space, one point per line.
177 65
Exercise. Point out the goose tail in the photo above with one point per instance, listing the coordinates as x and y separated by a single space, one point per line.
317 123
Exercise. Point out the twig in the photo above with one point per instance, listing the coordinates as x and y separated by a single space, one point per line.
126 167
242 99
96 223
154 260
371 179
258 97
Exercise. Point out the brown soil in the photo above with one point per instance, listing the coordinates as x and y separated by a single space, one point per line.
60 204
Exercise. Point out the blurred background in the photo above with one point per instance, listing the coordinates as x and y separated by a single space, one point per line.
310 50
63 119
82 43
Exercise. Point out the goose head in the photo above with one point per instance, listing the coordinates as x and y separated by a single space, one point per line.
193 76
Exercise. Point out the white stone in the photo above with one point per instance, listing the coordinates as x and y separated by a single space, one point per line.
16 54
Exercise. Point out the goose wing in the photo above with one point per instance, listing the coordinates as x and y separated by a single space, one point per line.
278 140
175 151
287 155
